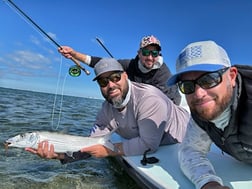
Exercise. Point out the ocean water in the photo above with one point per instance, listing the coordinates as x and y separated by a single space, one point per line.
24 111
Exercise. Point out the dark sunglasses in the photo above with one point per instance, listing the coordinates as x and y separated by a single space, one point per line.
114 77
146 52
205 81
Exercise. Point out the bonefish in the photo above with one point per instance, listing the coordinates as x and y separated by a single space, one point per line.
63 143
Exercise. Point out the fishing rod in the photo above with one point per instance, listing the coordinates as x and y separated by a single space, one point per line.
100 42
73 69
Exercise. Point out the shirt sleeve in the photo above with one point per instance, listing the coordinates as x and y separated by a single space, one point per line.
151 121
192 156
93 61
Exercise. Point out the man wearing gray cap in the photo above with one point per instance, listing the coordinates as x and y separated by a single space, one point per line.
220 100
144 116
147 67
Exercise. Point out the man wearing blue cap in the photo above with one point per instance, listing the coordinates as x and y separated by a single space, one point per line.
220 100
142 114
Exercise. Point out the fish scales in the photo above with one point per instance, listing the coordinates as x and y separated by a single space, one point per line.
63 143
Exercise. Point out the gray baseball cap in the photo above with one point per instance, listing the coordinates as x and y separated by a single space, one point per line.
106 65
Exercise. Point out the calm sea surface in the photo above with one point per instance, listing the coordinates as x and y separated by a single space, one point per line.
24 111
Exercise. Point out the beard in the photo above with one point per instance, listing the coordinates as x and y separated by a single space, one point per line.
117 101
211 113
148 66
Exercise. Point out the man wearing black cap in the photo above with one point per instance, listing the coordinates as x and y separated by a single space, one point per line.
144 116
147 67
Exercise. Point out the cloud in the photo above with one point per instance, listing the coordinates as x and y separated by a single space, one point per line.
42 46
52 35
37 60
29 59
51 39
35 40
27 63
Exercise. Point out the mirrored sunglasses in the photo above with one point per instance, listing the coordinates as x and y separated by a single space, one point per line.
114 77
146 52
205 81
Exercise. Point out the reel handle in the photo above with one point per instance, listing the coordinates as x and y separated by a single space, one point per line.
78 64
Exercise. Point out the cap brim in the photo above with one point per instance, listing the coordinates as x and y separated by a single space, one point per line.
95 78
105 72
196 68
152 44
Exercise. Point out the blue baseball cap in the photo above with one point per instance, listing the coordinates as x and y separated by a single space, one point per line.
204 56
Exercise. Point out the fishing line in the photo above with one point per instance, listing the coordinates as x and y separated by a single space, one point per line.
61 103
55 98
40 30
22 17
73 71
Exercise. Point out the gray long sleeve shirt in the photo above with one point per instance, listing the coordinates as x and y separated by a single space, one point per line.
150 119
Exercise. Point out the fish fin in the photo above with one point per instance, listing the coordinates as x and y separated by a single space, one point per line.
108 135
106 132
113 130
109 145
108 142
70 154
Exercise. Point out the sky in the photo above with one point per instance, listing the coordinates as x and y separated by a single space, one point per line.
29 61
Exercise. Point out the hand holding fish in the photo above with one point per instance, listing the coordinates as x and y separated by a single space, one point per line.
52 145
100 151
45 150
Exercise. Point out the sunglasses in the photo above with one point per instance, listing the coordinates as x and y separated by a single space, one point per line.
205 81
146 52
114 77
